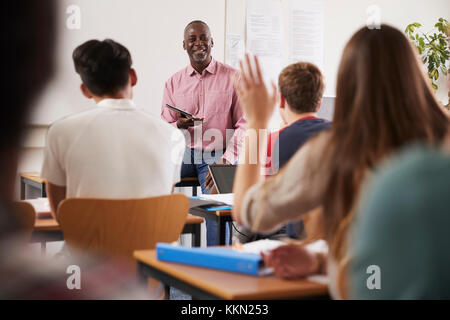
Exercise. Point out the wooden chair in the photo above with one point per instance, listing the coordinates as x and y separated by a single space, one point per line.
111 228
116 228
27 216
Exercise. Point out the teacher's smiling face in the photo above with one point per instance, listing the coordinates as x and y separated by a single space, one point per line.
198 43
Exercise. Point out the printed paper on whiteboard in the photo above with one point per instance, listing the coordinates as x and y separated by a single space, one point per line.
235 50
306 31
265 38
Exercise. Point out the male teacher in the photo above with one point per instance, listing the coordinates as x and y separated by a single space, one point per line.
205 89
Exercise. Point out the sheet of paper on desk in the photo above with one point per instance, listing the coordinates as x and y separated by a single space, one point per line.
225 198
41 206
197 202
319 278
264 245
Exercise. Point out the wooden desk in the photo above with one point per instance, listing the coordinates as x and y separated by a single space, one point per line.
189 182
31 186
204 283
48 230
221 217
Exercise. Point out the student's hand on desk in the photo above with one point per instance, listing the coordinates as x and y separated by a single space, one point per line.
184 122
257 104
291 261
209 183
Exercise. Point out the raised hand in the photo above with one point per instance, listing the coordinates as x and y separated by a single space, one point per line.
257 104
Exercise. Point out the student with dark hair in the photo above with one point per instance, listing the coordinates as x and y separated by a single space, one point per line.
383 102
114 150
104 67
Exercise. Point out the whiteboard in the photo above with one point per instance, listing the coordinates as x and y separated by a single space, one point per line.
151 30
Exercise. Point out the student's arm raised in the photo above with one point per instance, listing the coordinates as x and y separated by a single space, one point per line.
258 106
266 205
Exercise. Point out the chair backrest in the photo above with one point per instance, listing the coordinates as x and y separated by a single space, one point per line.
117 227
26 215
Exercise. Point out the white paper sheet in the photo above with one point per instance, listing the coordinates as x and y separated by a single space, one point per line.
306 31
263 245
235 50
265 38
265 35
227 198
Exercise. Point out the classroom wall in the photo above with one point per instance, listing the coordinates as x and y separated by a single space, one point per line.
343 17
152 30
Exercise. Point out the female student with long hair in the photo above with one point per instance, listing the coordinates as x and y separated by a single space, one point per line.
383 102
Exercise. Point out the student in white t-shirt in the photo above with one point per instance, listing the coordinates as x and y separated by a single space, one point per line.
114 150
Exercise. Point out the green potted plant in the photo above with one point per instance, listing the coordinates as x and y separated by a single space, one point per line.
433 48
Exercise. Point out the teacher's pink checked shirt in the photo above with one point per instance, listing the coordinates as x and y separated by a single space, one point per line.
211 96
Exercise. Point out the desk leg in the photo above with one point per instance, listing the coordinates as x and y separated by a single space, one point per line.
43 191
22 189
221 228
142 280
43 248
196 235
140 274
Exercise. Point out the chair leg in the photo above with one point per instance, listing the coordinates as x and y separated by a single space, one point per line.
166 292
196 236
43 248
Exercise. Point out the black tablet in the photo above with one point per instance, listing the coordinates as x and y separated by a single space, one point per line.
223 177
187 114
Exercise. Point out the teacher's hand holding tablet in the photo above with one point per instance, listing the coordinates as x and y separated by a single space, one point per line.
185 122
